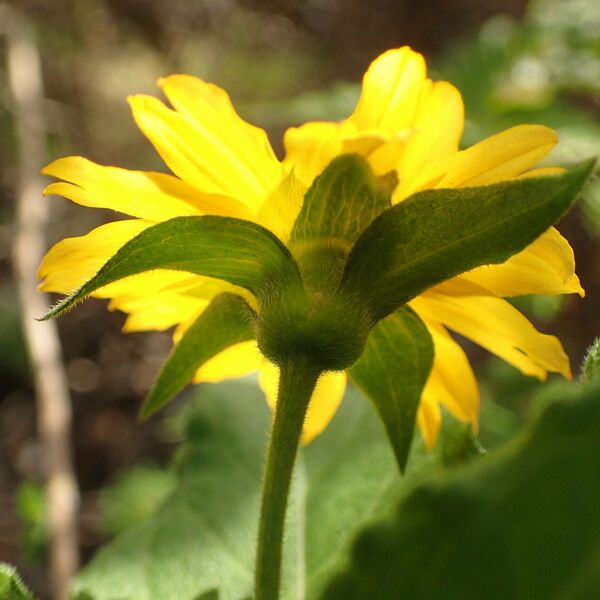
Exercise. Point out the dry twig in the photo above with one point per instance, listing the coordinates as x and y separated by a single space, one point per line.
53 402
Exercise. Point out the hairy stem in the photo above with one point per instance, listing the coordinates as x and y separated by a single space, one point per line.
296 384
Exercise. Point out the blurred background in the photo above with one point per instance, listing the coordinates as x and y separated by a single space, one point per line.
283 62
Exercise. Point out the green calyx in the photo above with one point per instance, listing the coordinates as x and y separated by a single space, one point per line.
330 332
310 320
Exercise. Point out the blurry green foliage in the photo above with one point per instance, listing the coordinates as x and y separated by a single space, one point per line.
11 586
14 361
511 398
515 72
546 70
134 497
31 507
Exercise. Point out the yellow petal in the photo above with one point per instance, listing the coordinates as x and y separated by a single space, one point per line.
279 211
542 172
204 289
237 361
451 381
402 121
498 327
158 311
429 420
210 107
215 152
390 92
500 157
324 402
159 299
364 143
311 147
547 267
142 284
385 157
437 129
147 195
460 286
207 288
73 261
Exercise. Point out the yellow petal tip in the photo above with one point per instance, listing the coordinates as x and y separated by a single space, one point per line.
162 81
136 99
50 168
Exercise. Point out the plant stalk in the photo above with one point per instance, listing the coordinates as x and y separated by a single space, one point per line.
296 384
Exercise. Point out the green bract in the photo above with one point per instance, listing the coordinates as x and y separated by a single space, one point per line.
227 321
438 234
234 250
337 208
392 372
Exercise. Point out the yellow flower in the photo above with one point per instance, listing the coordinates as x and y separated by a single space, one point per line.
225 166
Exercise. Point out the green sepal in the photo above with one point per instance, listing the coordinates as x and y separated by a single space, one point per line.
228 320
438 234
392 372
234 250
338 206
11 585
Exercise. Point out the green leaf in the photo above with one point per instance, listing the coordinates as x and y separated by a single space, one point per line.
226 321
438 234
11 586
237 251
203 538
521 524
338 206
392 372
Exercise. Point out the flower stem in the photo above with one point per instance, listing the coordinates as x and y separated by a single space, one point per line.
296 384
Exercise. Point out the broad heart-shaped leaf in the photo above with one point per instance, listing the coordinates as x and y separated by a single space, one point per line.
11 586
235 250
203 538
521 524
438 234
337 207
392 372
226 321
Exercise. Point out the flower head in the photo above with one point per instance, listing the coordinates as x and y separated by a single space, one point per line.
403 124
